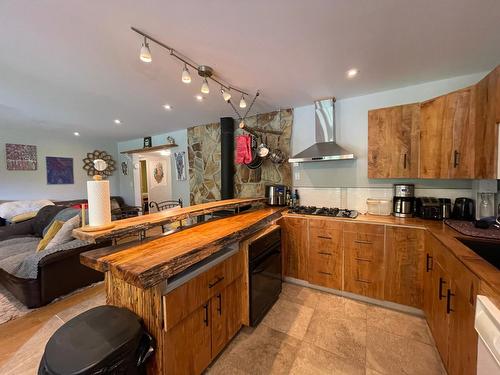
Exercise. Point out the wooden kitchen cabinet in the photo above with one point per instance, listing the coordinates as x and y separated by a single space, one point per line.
325 253
393 141
404 259
294 239
364 259
447 135
189 343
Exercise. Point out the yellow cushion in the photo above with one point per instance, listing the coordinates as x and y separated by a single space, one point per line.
23 217
49 235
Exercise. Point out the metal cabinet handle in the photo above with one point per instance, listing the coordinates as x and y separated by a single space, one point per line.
324 253
440 290
325 237
363 241
449 294
456 158
205 320
326 273
428 263
404 162
211 285
219 309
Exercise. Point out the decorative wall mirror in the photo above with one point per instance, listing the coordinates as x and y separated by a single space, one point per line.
99 163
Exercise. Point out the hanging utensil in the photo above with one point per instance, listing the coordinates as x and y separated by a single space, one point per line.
263 149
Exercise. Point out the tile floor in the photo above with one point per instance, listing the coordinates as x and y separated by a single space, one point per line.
311 332
306 332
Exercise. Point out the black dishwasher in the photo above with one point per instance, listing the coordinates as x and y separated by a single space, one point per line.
265 274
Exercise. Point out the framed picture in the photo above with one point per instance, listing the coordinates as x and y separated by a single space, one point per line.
180 165
147 142
20 157
59 170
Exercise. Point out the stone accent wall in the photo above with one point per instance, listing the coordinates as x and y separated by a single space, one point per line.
204 159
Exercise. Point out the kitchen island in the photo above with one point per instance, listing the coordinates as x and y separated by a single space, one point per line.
189 287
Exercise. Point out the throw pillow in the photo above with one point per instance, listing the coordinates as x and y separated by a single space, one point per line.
43 218
63 215
54 228
65 233
23 217
10 209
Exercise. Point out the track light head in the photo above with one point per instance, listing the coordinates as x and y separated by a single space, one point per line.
204 87
243 103
145 55
186 77
226 95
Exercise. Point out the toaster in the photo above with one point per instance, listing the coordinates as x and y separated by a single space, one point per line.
429 208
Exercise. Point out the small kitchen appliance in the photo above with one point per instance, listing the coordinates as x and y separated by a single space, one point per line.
464 209
276 195
404 200
429 208
324 211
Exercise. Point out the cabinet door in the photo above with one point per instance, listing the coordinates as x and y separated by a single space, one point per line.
459 113
462 340
364 262
393 142
440 284
188 344
325 253
295 249
404 260
226 316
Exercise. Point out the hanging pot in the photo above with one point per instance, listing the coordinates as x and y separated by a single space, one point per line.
263 149
256 159
276 155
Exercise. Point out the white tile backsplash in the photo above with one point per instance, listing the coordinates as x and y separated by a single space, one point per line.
355 198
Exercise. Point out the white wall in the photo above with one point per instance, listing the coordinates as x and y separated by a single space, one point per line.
180 189
33 184
352 134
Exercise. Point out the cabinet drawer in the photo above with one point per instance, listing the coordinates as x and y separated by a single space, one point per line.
186 298
364 246
326 270
322 241
326 225
364 228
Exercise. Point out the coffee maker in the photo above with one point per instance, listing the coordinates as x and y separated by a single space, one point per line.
404 200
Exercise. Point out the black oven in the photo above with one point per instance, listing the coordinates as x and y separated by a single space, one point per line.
264 273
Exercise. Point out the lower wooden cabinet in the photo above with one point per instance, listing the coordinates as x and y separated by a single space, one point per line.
294 233
364 259
404 271
194 339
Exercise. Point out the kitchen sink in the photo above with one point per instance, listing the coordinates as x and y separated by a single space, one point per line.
489 250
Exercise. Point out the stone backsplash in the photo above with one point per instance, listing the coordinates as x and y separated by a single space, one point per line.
204 159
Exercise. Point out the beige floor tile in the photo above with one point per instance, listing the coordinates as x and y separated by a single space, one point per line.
392 354
370 371
290 318
344 337
398 323
265 351
341 306
300 295
73 311
312 360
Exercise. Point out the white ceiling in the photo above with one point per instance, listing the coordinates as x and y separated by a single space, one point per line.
73 65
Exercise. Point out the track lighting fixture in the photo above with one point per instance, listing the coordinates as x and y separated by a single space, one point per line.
145 52
186 77
226 95
204 87
243 103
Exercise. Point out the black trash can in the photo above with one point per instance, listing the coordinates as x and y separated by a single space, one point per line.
102 340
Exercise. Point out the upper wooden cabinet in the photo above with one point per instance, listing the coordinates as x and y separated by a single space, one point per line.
393 142
447 136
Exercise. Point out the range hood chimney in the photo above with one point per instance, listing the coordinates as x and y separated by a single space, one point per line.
325 147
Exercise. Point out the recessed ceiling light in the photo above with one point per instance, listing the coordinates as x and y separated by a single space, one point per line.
168 107
76 134
351 73
199 98
118 121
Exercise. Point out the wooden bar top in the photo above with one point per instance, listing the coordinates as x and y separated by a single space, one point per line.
144 222
147 264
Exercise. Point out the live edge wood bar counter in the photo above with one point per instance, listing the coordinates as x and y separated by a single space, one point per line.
189 287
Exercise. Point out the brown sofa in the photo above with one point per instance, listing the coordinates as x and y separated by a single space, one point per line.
58 273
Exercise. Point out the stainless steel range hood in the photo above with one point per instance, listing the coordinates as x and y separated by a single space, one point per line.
325 147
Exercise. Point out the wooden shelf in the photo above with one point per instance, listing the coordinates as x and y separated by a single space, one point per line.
149 149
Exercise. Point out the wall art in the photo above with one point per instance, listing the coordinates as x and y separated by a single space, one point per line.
158 173
20 157
180 165
59 170
89 165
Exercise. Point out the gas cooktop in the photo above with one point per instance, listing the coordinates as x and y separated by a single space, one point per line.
324 211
